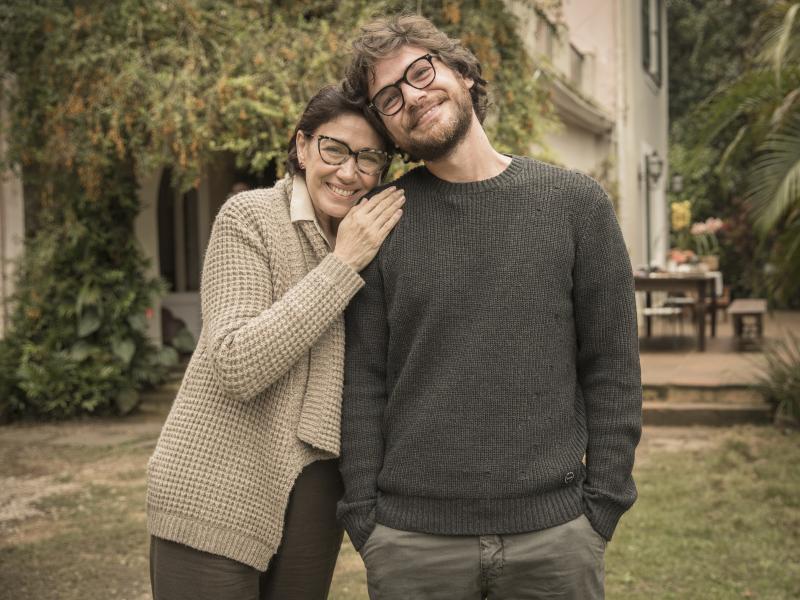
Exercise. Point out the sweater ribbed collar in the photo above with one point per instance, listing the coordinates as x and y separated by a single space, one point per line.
440 186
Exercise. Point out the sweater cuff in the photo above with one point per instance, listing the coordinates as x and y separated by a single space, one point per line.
358 519
603 513
344 280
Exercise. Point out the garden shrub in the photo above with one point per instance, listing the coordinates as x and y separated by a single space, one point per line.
780 380
78 330
9 392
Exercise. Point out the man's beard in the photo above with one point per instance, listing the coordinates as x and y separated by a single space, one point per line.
435 146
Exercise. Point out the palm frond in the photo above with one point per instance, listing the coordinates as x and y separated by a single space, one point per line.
749 93
784 39
775 176
791 100
731 148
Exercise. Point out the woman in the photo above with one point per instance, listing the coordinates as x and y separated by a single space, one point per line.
244 480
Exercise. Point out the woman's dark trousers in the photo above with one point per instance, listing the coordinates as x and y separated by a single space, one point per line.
302 569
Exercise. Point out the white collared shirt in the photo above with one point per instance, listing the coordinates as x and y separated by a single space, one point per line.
301 208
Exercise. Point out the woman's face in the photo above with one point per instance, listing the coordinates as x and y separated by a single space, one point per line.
334 189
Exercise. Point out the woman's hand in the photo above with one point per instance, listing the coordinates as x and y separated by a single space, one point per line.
363 230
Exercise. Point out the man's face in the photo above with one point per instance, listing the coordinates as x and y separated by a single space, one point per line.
433 120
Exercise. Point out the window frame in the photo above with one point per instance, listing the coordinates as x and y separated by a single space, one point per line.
652 32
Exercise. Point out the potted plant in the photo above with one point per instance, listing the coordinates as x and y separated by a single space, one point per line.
704 240
681 256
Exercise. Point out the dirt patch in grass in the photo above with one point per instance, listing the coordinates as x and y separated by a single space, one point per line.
72 510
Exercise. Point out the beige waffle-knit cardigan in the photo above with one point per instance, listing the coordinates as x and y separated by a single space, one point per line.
261 397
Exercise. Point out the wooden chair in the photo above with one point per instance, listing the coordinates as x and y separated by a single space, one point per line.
670 314
723 302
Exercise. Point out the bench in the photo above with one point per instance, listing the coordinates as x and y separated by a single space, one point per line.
748 318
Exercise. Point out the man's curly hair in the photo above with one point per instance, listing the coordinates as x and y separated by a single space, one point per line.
382 37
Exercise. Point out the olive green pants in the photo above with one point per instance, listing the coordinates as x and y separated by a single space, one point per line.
564 562
302 569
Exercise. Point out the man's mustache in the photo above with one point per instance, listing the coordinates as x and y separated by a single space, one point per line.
416 112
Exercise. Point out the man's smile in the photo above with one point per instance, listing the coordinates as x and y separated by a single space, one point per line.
423 115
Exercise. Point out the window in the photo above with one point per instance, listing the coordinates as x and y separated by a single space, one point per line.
178 236
651 39
546 36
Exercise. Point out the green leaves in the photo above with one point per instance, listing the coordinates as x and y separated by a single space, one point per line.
779 380
88 323
775 176
175 82
123 349
784 42
79 330
80 351
743 140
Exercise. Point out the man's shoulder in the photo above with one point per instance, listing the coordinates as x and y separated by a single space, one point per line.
410 178
561 177
403 181
572 187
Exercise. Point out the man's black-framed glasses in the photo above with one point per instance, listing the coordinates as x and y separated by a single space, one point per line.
419 74
369 161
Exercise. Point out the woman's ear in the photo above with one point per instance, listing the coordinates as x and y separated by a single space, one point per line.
302 148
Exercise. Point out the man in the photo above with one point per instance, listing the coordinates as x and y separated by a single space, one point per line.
492 398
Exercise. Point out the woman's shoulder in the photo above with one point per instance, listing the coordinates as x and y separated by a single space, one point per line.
258 205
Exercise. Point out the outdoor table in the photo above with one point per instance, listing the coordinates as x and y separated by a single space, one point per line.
704 283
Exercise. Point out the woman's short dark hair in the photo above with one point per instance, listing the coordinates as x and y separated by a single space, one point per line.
327 104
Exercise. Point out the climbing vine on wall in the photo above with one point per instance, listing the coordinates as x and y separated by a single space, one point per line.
105 91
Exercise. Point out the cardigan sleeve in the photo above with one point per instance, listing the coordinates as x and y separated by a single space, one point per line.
253 338
608 363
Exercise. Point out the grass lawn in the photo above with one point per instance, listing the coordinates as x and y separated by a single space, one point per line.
718 515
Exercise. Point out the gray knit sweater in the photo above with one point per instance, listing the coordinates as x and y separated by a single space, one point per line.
261 397
492 380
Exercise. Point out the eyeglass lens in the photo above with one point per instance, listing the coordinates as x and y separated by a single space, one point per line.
334 152
419 74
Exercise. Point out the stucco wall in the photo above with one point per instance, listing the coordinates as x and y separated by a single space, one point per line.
577 148
592 30
146 229
642 122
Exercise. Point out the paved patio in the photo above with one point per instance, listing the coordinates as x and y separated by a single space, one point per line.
683 386
674 360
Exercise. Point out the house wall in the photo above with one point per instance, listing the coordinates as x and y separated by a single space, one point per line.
642 127
591 25
578 148
613 111
146 229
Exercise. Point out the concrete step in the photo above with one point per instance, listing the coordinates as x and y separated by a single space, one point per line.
711 404
663 404
712 394
705 413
